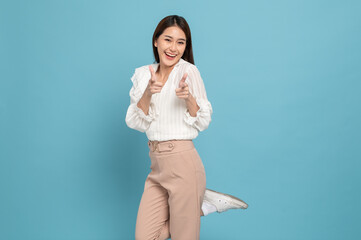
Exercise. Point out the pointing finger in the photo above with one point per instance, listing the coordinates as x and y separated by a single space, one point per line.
159 84
178 90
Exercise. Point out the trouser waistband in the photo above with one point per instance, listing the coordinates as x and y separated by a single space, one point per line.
170 146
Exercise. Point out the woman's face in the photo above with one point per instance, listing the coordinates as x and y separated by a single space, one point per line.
171 45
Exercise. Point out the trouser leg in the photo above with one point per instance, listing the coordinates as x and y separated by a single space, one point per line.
153 213
186 189
173 195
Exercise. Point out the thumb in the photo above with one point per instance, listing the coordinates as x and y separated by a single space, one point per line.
152 74
182 82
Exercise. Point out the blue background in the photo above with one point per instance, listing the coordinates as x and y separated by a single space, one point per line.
284 81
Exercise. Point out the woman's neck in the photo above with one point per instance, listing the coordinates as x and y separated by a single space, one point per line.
164 71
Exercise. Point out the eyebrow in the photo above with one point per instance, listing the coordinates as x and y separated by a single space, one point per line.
172 37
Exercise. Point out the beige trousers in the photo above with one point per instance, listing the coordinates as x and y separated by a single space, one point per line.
173 193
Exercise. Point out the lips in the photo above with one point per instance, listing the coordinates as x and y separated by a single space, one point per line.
170 56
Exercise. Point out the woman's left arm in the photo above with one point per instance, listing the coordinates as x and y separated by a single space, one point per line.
199 109
192 106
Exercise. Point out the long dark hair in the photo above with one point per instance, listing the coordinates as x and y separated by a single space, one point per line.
169 21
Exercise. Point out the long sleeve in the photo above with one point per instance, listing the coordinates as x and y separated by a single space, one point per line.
136 118
198 91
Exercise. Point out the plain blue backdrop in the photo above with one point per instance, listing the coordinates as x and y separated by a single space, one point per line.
283 78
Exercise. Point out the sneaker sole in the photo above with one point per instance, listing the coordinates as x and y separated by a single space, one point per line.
236 201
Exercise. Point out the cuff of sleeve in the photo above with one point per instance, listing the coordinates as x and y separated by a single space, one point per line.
189 119
152 113
204 110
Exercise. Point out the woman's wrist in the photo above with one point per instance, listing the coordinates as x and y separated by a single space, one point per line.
144 102
192 105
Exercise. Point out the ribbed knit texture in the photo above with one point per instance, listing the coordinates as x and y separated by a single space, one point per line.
168 117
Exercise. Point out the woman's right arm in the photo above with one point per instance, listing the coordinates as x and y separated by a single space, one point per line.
144 102
141 112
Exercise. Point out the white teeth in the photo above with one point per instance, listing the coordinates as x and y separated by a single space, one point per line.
170 55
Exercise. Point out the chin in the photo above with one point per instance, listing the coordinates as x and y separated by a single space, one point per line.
170 63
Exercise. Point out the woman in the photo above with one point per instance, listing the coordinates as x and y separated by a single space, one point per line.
169 103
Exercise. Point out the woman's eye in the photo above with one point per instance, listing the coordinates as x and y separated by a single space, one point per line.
168 40
181 43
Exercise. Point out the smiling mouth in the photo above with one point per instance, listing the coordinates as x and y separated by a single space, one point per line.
170 55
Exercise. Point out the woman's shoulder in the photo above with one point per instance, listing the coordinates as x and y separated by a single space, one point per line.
144 68
186 66
142 73
190 68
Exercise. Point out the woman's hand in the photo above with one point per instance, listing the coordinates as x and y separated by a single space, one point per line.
183 91
153 85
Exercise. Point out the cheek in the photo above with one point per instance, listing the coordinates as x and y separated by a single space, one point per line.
159 49
162 47
182 50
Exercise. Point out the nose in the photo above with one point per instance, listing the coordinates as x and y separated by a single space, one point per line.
173 47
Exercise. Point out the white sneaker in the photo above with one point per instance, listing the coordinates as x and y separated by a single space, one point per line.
223 201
